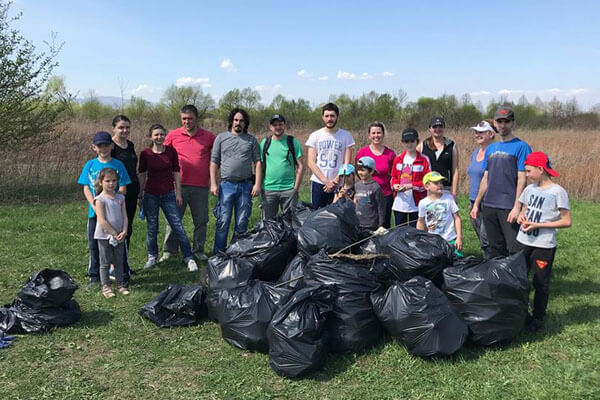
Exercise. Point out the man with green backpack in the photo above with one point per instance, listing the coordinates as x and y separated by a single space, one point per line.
283 165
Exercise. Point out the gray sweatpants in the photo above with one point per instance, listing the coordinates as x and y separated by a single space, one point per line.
111 255
197 198
272 200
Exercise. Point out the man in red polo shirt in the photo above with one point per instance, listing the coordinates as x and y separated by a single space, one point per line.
193 145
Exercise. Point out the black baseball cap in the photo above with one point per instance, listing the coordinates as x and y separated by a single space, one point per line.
437 121
276 117
102 137
410 135
504 112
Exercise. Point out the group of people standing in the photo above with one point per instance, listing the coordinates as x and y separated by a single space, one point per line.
418 186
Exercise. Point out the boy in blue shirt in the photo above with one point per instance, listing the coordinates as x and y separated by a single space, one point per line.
102 145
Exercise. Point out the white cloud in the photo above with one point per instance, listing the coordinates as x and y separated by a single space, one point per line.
226 64
323 78
346 75
577 91
304 74
366 75
480 93
189 81
387 74
510 91
143 89
554 90
268 88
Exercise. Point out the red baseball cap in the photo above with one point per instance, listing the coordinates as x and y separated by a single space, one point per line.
540 159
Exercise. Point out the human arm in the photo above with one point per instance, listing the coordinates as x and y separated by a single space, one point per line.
421 224
258 179
123 190
564 221
178 195
312 164
514 213
458 226
380 206
143 178
480 194
348 154
299 173
89 196
214 178
122 235
455 175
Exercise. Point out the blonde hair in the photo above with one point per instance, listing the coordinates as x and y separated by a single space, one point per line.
103 173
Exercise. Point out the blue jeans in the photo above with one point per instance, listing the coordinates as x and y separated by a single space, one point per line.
152 203
232 195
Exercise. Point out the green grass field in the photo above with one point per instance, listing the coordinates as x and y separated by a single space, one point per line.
113 353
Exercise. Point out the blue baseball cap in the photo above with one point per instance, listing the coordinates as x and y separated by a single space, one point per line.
366 162
346 169
102 137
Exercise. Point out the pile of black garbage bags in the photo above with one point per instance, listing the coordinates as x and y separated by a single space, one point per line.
285 289
43 303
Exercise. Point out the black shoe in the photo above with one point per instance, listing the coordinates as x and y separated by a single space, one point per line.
94 283
535 325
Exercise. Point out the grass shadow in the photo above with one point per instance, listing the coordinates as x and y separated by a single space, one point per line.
94 319
156 279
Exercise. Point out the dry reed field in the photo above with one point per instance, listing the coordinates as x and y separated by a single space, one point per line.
49 172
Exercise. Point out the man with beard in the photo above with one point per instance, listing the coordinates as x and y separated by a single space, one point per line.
328 149
234 159
283 166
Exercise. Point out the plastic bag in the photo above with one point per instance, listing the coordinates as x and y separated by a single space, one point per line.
177 305
39 320
420 315
297 335
491 296
295 217
294 273
269 247
331 228
7 319
353 326
245 313
413 253
48 288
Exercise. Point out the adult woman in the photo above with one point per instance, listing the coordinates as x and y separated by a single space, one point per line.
384 160
484 135
442 153
124 151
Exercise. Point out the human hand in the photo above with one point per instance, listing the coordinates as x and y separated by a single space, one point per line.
121 236
329 186
380 231
214 189
396 187
255 190
178 200
521 219
512 215
529 226
474 211
458 243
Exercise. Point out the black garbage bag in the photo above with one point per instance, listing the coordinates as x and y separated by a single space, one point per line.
39 320
7 319
293 275
413 253
48 288
245 312
492 297
177 305
420 315
297 335
269 247
296 216
352 326
331 228
224 271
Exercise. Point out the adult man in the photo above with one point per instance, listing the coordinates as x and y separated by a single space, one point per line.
193 145
283 165
234 159
501 186
328 149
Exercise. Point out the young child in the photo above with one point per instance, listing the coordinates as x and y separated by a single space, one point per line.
370 208
111 229
346 186
407 179
102 145
544 208
438 212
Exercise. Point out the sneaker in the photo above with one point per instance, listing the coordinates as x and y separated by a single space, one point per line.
151 262
123 291
191 264
201 256
93 284
107 292
166 257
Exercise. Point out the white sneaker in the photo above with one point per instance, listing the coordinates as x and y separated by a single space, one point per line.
191 264
150 263
166 257
201 257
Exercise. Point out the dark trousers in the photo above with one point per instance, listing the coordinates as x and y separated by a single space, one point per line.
402 218
131 198
479 229
318 197
501 235
540 261
94 264
387 220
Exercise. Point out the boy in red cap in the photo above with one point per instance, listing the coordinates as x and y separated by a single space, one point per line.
544 208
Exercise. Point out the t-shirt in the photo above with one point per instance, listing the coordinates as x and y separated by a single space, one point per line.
90 172
331 149
370 208
475 172
542 206
128 157
280 173
405 201
159 168
383 167
438 215
234 154
502 162
112 213
193 153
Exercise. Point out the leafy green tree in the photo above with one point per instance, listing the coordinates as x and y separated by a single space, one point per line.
176 97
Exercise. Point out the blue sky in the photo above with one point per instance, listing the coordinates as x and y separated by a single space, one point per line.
312 49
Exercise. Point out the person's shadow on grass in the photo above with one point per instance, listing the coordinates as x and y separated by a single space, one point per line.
94 319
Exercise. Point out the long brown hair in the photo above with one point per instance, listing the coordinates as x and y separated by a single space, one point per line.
101 176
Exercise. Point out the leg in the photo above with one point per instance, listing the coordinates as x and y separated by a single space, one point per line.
399 218
118 256
270 203
388 201
94 263
288 200
412 218
130 206
198 202
509 231
493 228
243 207
318 197
479 229
105 253
170 244
169 207
151 204
541 261
222 213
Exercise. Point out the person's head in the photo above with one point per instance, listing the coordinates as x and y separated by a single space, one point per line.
504 120
277 124
157 133
107 180
437 125
189 117
376 131
102 144
121 127
238 120
538 165
365 166
434 182
483 133
346 173
330 114
410 138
